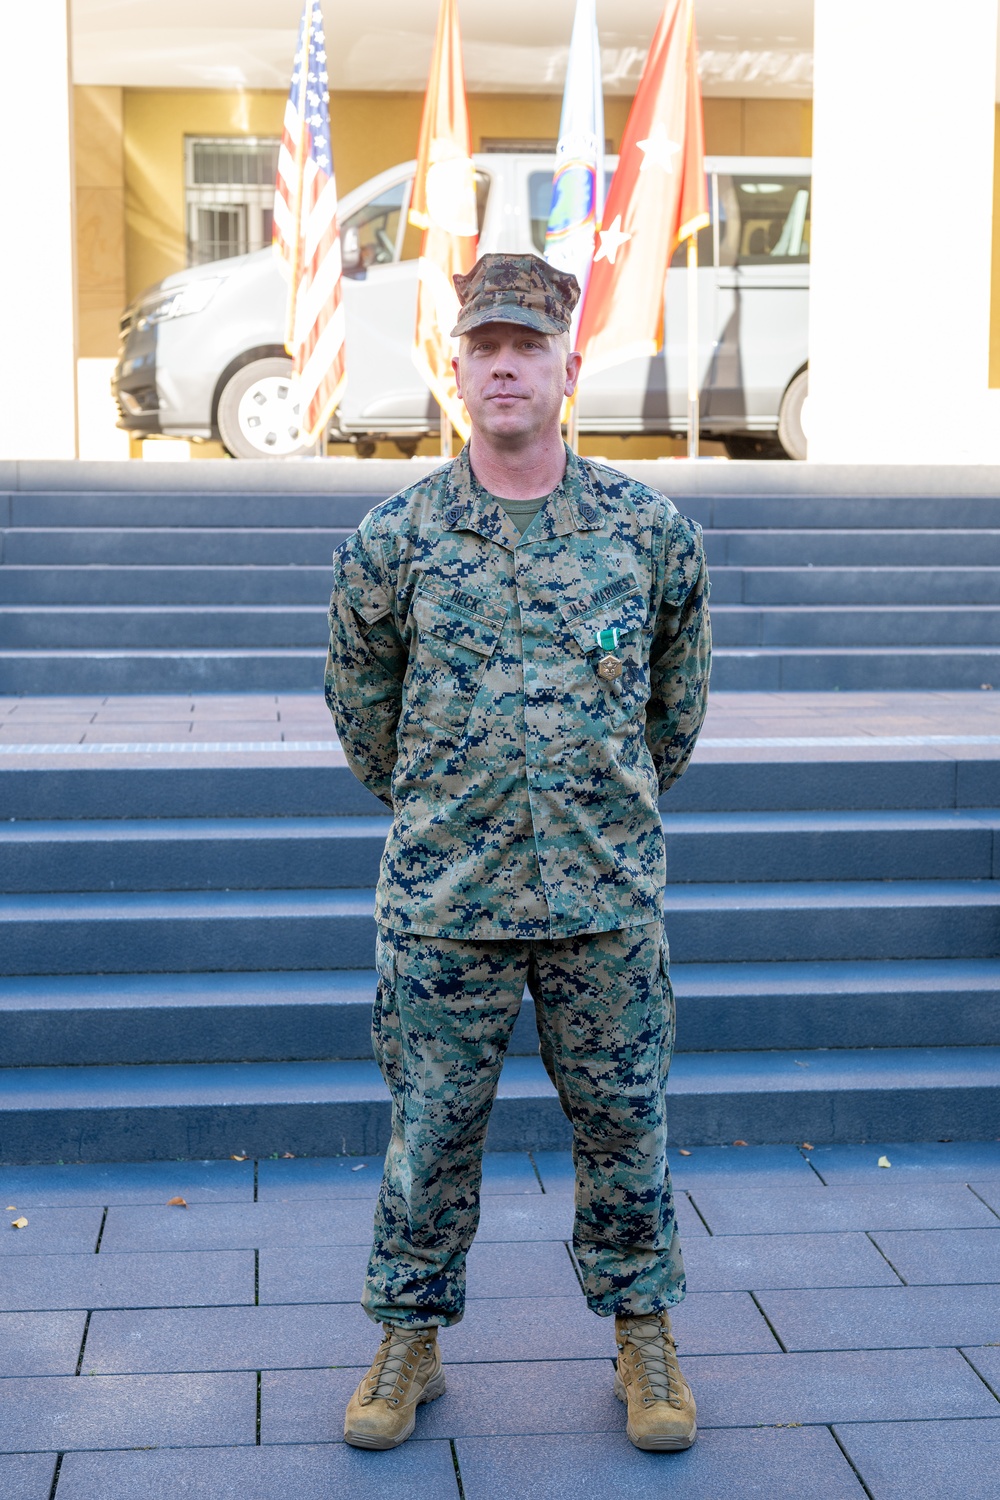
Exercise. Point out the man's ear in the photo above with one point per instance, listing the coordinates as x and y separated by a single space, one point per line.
573 363
458 377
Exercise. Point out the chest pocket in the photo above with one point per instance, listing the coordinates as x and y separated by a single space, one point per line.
457 633
626 697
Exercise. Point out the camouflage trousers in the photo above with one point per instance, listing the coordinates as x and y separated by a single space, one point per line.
443 1015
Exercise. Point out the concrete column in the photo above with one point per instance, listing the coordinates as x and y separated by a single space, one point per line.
37 289
903 127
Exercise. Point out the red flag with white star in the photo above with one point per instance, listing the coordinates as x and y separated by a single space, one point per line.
658 197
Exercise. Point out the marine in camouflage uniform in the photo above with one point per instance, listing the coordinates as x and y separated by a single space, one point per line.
520 701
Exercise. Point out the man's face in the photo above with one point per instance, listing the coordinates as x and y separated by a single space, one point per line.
513 381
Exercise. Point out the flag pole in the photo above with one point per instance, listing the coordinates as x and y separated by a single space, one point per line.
694 416
573 427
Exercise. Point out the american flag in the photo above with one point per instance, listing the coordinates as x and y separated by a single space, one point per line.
305 231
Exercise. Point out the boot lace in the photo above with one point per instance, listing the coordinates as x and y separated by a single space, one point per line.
656 1367
399 1354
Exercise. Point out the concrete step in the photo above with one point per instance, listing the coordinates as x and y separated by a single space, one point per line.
829 669
214 1109
284 785
159 545
866 587
297 670
761 495
344 852
148 627
205 670
186 931
848 626
192 626
103 585
229 546
104 510
844 548
77 1019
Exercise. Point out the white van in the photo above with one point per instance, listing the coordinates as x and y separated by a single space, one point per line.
202 354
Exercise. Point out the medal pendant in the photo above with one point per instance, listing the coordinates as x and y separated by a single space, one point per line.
609 668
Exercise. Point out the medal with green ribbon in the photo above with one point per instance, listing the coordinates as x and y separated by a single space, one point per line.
609 668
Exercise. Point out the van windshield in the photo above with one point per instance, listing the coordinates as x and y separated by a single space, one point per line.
768 220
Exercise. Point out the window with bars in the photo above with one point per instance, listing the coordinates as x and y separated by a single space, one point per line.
229 195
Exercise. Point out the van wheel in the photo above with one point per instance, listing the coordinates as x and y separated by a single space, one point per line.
791 428
259 414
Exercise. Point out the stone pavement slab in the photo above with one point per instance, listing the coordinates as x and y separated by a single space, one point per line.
520 1329
306 1406
550 1217
926 1460
931 1161
870 1207
49 1231
196 1279
228 1338
27 1475
989 1192
748 1167
752 1262
128 1182
752 1465
987 1362
884 1318
322 1177
127 1412
223 1226
336 1273
423 1471
359 1177
40 1343
937 1256
838 1386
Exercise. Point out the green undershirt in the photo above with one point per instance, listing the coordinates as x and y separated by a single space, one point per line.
522 512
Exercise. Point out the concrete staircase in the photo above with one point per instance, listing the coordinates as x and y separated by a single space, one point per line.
190 952
209 578
188 947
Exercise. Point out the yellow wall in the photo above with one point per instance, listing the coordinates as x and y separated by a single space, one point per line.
100 218
370 132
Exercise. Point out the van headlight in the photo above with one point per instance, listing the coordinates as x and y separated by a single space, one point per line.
181 302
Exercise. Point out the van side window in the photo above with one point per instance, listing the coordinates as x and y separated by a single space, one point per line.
772 218
377 225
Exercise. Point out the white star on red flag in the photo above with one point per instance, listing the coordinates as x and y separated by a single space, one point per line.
612 240
658 149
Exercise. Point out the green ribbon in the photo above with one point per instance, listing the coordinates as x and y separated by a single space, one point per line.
608 639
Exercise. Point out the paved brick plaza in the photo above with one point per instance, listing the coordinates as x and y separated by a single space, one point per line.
843 1331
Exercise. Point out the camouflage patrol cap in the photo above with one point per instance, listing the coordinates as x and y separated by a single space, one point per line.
516 289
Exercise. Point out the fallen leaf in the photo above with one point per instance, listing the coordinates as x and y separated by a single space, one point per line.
682 1152
360 1167
177 1203
807 1145
288 1156
884 1161
236 1157
739 1143
19 1224
12 1208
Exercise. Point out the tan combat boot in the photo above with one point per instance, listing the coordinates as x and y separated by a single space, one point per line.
661 1409
406 1372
